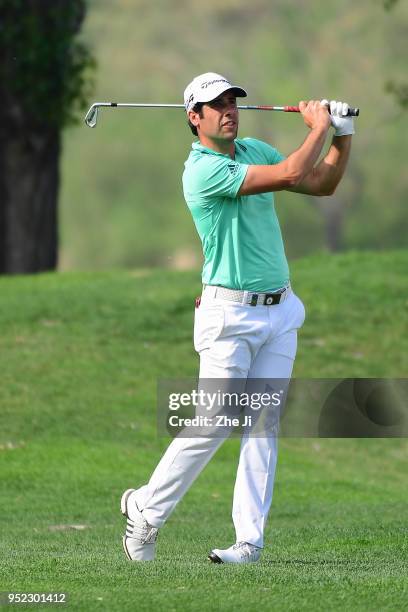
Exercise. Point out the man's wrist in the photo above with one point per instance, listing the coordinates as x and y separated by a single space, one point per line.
320 129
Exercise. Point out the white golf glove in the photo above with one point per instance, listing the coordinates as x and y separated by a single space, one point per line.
342 123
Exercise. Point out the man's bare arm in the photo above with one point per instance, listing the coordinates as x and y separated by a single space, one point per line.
324 178
291 172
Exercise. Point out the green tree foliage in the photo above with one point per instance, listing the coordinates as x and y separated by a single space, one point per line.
398 90
44 77
42 65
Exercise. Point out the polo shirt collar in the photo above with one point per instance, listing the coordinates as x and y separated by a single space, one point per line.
197 146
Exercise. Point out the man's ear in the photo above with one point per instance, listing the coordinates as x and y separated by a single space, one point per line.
194 117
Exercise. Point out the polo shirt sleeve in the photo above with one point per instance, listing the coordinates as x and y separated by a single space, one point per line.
272 155
216 176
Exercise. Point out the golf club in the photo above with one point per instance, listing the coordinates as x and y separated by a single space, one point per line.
91 116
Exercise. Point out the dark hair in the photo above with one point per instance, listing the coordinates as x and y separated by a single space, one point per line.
198 109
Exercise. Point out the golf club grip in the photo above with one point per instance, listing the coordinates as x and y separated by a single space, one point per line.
352 112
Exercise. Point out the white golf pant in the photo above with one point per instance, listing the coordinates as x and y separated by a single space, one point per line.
234 341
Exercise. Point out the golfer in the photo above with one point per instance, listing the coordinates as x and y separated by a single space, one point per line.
247 319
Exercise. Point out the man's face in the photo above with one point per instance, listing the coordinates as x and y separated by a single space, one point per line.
219 120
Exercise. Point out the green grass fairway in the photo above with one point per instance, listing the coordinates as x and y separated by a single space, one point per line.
80 358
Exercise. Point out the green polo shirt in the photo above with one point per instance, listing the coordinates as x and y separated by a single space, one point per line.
241 237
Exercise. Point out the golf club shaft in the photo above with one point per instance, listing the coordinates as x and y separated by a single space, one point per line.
91 115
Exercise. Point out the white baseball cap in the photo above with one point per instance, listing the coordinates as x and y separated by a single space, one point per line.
208 86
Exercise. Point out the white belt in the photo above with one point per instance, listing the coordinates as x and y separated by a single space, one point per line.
252 298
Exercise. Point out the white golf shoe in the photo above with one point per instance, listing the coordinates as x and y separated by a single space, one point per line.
139 541
241 552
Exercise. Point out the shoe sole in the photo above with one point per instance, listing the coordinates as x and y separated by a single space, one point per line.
123 509
124 501
214 558
125 549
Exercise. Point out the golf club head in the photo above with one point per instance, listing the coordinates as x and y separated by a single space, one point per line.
91 116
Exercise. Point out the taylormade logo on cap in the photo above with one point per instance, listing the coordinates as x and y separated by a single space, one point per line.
207 87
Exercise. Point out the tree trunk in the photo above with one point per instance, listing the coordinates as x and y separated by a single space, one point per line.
333 210
41 86
29 181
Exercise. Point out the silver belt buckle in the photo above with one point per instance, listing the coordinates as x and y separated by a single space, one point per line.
269 299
